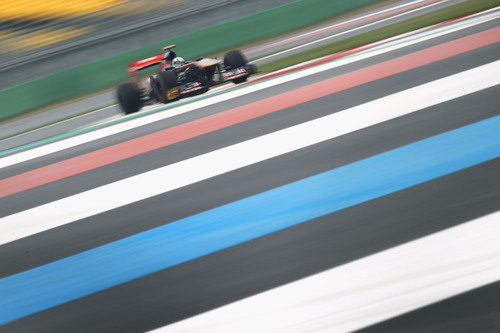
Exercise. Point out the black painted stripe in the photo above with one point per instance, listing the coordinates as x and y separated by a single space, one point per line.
249 268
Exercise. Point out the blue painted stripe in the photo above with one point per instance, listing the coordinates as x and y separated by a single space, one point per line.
132 257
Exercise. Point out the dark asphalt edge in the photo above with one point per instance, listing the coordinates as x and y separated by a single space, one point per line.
477 310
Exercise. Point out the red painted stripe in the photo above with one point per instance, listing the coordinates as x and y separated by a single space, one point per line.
243 113
337 27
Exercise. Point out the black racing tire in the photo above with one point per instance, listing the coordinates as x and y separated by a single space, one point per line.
129 98
166 81
234 59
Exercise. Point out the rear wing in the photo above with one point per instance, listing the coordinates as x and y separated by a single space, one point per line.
169 47
134 67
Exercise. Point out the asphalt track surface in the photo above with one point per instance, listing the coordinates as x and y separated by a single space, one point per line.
261 54
345 28
206 282
462 313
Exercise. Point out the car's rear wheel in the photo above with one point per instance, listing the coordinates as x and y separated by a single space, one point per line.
167 80
129 98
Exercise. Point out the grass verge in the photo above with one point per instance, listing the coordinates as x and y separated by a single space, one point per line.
332 20
455 11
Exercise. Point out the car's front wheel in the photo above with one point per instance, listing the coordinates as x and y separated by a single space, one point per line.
235 59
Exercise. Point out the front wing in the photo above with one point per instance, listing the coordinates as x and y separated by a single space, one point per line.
194 87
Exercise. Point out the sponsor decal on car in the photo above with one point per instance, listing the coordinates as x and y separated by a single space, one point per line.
173 93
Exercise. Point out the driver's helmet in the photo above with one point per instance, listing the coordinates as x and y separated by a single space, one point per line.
178 62
169 55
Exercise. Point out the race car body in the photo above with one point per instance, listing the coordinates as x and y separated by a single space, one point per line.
177 78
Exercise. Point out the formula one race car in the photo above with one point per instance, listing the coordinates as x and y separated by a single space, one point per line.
177 78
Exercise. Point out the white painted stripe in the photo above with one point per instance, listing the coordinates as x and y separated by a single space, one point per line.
223 160
439 29
56 123
369 290
357 18
348 31
136 122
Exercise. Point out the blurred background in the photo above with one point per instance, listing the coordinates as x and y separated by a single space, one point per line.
50 36
55 51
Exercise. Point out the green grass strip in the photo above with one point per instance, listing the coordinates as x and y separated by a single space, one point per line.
452 12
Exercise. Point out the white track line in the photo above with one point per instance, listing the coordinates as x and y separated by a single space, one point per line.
347 31
252 151
148 119
294 38
59 122
369 290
